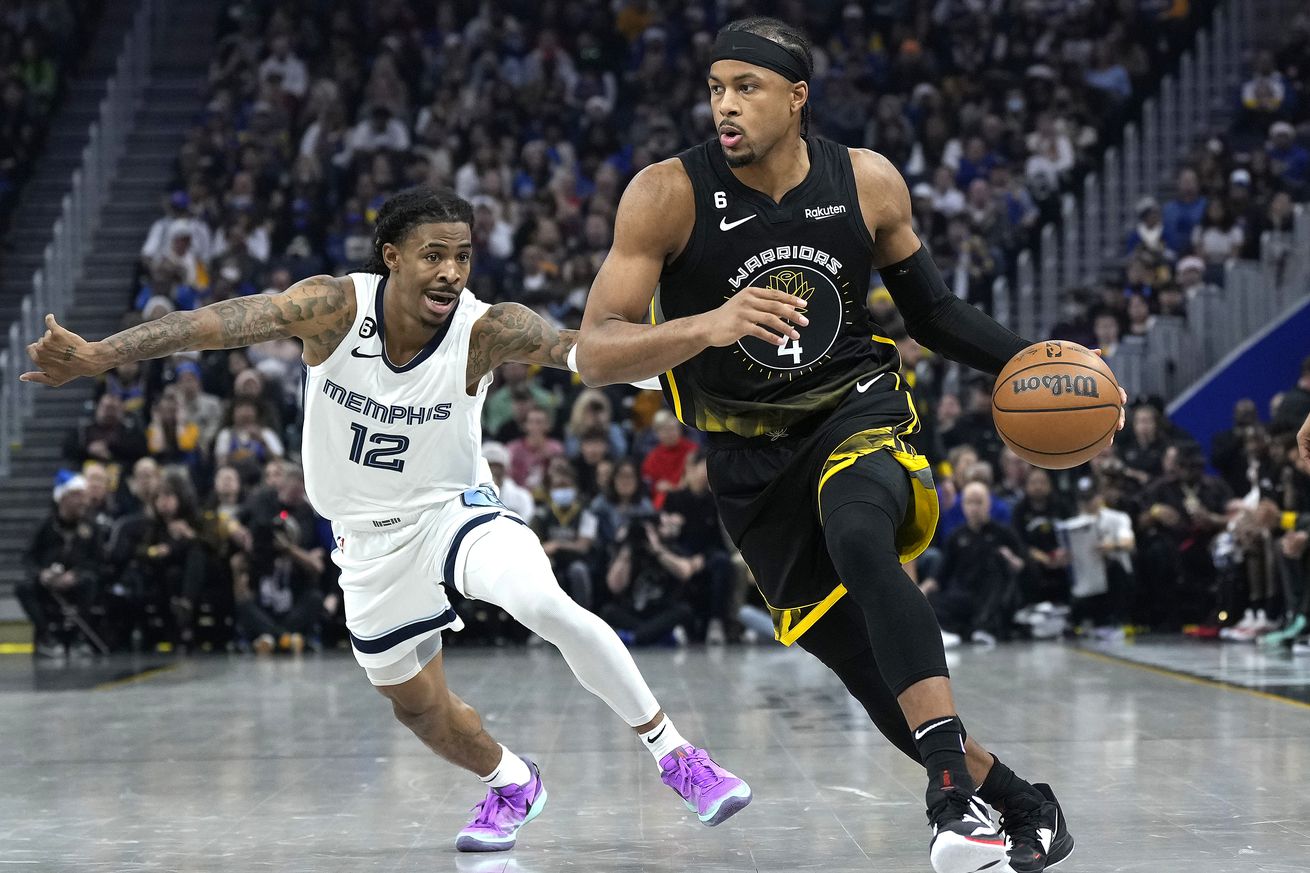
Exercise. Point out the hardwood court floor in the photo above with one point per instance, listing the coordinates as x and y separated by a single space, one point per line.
243 764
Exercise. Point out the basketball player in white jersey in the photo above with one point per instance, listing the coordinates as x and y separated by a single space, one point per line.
399 362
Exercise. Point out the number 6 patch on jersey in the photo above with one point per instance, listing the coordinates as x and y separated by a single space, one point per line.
482 496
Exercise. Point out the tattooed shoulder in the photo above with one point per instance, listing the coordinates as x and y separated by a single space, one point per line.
325 308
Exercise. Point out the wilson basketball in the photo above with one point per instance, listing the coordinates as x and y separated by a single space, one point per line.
1056 404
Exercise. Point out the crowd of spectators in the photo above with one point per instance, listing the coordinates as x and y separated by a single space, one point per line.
1233 198
539 114
40 43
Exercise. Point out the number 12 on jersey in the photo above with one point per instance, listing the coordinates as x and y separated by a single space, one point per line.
389 445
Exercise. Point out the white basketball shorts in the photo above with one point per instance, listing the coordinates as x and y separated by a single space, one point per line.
392 576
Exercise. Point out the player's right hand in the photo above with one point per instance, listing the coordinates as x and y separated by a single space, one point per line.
60 356
759 312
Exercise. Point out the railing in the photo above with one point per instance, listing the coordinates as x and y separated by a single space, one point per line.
1177 352
1093 225
52 284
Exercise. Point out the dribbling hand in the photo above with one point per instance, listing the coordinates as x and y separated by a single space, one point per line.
759 312
60 356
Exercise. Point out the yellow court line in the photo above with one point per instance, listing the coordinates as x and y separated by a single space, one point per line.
143 676
16 648
1188 677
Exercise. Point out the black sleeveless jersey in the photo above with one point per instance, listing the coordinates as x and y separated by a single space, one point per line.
813 244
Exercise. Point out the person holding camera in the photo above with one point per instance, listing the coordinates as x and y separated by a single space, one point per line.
647 580
62 563
278 580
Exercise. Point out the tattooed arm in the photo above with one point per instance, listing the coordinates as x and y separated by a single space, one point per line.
318 310
513 332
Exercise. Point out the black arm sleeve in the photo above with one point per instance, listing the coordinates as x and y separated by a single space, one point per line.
943 322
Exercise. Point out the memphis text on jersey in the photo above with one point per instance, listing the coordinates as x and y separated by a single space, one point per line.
385 413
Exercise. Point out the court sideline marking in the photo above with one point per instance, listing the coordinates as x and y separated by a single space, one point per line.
1188 677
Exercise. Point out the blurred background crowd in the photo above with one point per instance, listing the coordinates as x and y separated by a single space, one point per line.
182 518
39 41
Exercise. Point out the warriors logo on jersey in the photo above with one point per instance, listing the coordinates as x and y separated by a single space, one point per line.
812 275
812 244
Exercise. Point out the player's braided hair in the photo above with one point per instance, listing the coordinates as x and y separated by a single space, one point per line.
790 38
410 208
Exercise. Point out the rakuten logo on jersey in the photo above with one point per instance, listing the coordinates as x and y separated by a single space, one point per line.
819 213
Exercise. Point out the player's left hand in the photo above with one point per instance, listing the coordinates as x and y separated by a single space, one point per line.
60 356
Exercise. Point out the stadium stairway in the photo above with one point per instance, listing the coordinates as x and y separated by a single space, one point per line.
173 99
33 219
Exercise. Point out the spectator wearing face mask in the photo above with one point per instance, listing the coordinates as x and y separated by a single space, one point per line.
567 529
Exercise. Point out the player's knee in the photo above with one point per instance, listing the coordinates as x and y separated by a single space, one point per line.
418 699
861 539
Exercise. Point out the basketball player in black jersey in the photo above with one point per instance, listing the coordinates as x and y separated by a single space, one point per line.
738 273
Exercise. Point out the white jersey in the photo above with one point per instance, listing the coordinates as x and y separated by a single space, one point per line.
382 443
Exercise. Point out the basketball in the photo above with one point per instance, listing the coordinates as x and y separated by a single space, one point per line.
1056 404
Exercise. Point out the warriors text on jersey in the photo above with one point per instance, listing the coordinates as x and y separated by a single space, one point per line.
815 245
383 441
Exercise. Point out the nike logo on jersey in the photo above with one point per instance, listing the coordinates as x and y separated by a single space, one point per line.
923 732
725 224
861 387
355 353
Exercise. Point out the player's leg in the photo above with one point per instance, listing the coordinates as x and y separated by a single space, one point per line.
840 639
422 701
395 611
506 566
863 508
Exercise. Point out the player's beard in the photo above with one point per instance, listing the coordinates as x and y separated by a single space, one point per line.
743 158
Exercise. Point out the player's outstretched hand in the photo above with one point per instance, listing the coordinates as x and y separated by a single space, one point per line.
60 356
1303 441
759 312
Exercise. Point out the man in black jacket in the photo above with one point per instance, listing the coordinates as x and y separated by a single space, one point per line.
976 580
61 568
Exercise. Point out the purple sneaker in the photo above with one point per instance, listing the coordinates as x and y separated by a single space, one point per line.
714 794
500 816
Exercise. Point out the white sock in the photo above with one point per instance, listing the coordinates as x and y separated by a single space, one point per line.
662 739
510 771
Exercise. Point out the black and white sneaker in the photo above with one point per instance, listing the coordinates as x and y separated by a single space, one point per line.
964 840
1037 834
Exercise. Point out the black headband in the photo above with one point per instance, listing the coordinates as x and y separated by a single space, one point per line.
738 45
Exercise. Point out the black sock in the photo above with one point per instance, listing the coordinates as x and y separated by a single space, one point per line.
1002 789
941 748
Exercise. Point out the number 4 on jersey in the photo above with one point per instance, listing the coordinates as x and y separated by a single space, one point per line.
791 347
